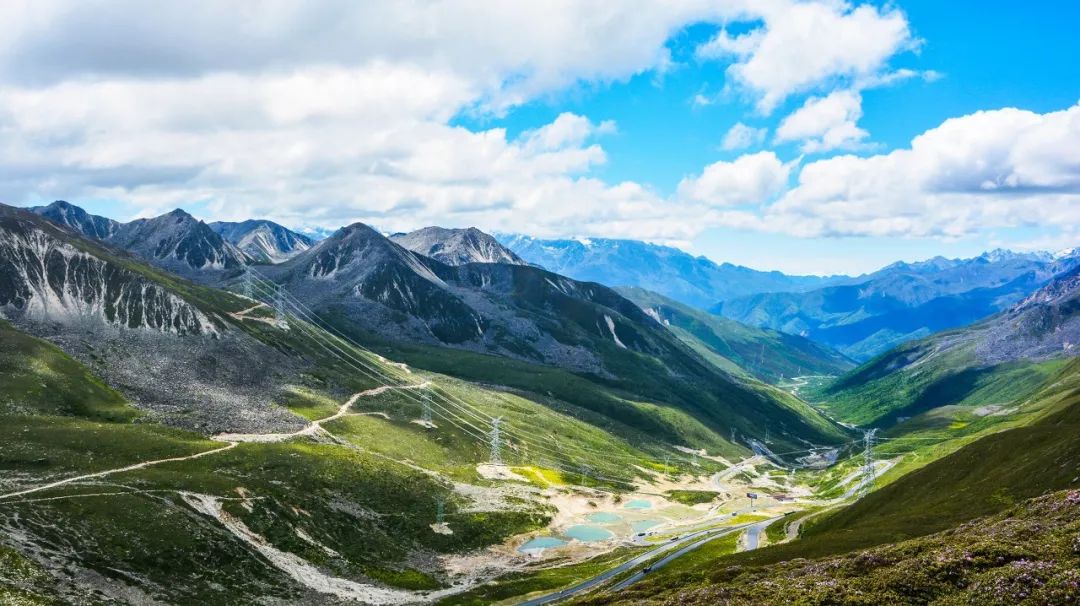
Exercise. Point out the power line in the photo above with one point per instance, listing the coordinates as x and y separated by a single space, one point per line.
460 405
373 372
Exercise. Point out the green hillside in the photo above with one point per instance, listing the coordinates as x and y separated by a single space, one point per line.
1027 554
889 388
765 354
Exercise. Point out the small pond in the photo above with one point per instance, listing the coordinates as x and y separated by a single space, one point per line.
638 504
587 534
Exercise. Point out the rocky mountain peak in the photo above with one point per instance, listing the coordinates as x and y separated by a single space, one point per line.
457 246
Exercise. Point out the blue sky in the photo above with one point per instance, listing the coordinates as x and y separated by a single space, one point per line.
568 119
985 55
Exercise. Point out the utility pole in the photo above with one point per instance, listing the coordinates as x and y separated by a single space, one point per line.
496 442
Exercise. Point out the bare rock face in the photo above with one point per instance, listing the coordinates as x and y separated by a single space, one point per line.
263 241
77 219
457 246
1044 325
184 365
180 243
45 278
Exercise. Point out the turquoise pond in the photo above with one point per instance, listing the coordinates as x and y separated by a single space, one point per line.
604 517
587 534
643 525
542 543
638 504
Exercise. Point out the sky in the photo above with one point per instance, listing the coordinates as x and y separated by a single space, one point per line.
812 136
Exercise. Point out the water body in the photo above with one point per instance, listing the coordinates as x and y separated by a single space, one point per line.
643 525
588 534
638 504
604 517
542 543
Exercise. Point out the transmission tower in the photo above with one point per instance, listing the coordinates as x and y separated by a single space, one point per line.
425 412
496 442
584 470
869 475
440 510
247 287
279 303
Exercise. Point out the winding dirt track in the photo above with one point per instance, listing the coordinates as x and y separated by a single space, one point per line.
232 441
108 472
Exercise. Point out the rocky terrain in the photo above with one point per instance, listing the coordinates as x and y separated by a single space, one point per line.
457 246
263 241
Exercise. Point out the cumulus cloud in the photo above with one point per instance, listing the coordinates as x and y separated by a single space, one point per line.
748 179
741 136
990 169
320 115
825 123
799 46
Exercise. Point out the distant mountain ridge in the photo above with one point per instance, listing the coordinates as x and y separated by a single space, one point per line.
766 354
986 363
69 215
457 246
903 301
372 286
262 240
695 281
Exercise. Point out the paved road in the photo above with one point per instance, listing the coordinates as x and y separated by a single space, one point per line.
753 536
684 545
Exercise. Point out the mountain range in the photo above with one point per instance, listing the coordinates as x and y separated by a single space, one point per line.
384 294
195 412
988 364
695 281
457 246
263 241
901 302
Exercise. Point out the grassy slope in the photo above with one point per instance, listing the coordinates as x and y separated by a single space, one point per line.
984 477
875 394
767 355
1028 554
134 529
648 404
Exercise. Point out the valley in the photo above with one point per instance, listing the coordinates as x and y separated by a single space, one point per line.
353 421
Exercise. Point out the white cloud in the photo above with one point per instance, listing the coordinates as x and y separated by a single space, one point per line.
801 46
825 123
510 52
990 169
748 179
741 136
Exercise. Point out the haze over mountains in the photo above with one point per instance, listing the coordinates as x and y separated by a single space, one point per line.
903 301
696 281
